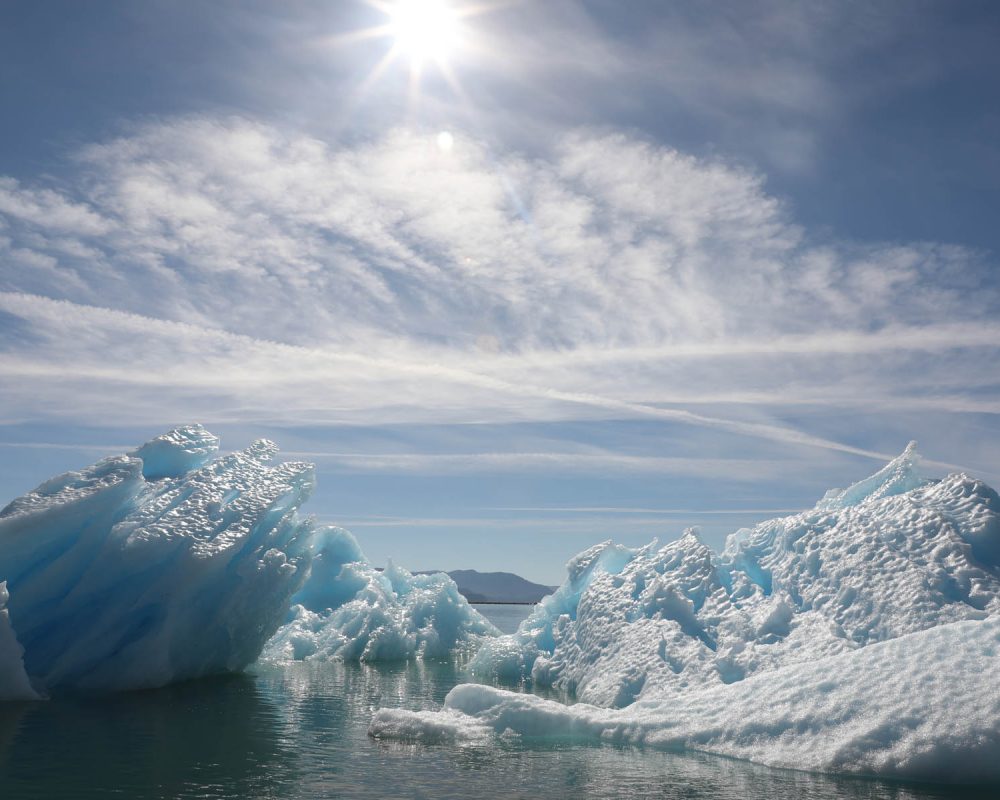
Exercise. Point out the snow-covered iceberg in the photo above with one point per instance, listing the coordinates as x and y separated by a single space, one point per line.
861 635
891 555
171 562
350 610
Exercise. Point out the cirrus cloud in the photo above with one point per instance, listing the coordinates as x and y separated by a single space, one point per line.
220 267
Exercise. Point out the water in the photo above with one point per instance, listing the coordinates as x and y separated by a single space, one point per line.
505 617
301 732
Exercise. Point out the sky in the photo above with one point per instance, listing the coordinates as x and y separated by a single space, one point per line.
517 277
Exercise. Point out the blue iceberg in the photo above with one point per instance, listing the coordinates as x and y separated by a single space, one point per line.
14 682
154 566
172 562
350 610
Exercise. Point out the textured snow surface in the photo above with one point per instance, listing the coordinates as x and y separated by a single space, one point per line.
925 705
859 635
170 562
892 555
350 610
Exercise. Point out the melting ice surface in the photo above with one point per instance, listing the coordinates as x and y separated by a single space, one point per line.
171 562
859 636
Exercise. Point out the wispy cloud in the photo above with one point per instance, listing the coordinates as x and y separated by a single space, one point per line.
610 242
706 512
88 448
462 463
562 462
649 526
257 366
247 370
221 269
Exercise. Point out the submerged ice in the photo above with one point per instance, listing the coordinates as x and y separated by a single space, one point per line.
172 562
860 635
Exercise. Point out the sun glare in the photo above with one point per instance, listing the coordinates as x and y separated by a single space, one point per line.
425 33
424 29
445 141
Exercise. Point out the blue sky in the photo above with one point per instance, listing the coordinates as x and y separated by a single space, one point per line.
674 264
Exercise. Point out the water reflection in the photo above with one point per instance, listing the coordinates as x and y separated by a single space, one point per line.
10 723
567 770
330 706
212 738
301 732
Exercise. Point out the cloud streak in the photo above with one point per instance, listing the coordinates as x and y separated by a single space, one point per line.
258 360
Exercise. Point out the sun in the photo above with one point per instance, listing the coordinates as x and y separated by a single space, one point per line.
423 29
425 33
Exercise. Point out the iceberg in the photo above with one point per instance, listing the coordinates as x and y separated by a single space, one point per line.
858 636
351 611
154 566
891 555
172 562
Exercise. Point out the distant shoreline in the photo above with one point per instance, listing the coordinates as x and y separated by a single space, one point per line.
503 603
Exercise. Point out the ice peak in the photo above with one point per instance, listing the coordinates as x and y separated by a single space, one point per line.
692 535
608 555
900 475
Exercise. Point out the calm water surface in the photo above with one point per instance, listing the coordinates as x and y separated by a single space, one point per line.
505 617
301 732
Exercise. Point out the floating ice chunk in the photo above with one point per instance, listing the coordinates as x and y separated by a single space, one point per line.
14 683
921 706
350 610
131 574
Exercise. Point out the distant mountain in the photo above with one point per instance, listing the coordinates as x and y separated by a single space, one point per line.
493 587
497 587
